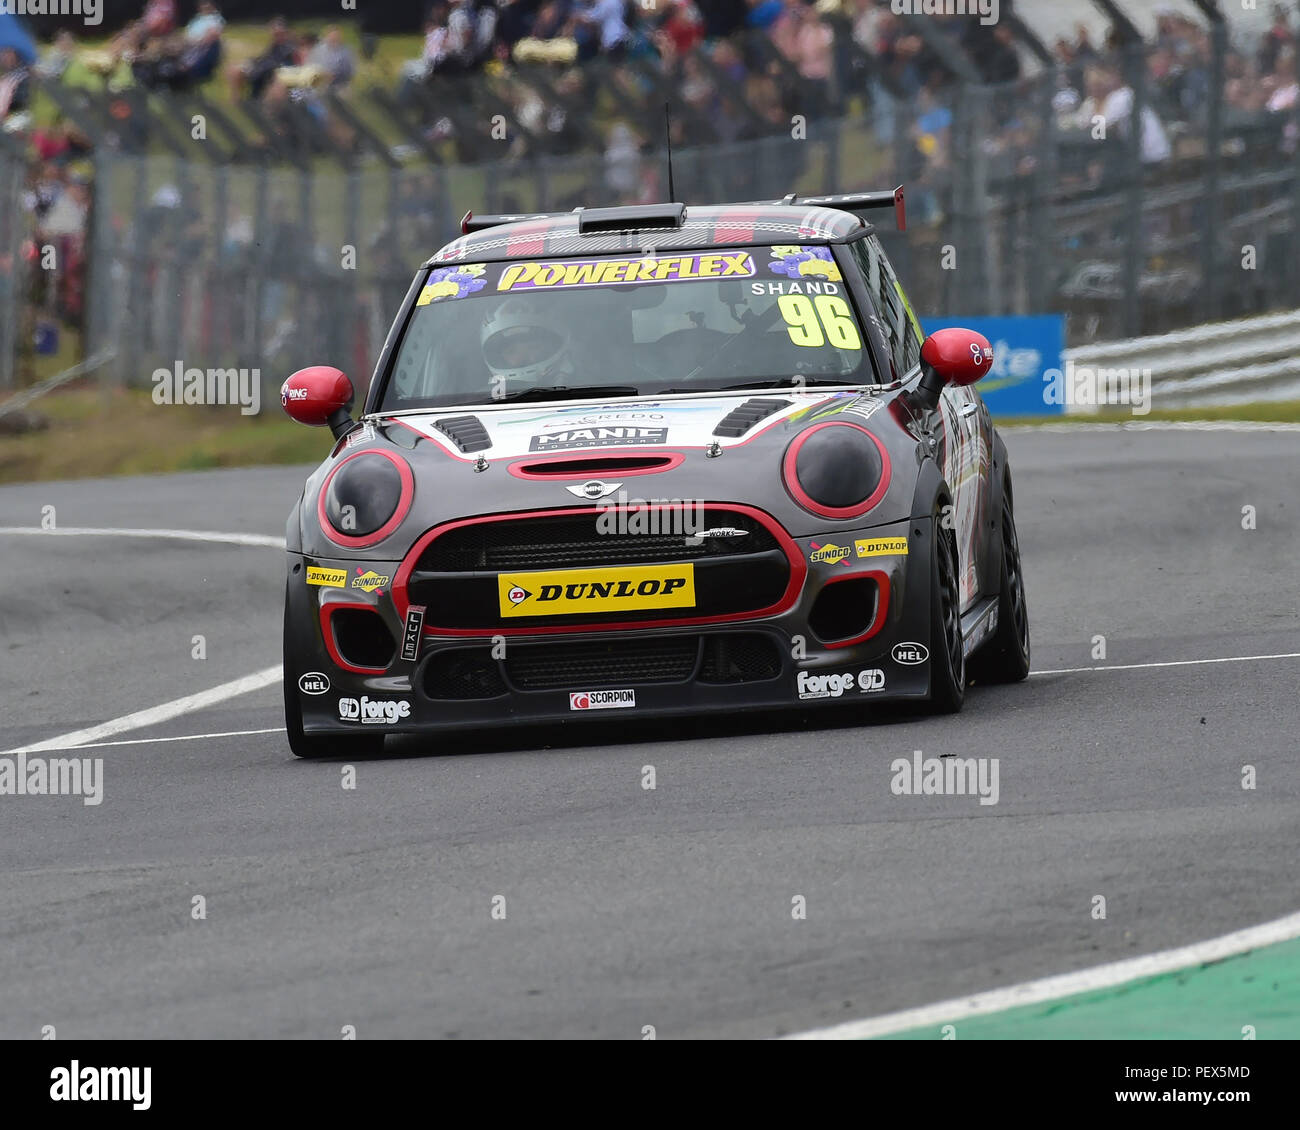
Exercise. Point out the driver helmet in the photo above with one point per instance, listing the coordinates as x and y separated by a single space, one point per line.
519 343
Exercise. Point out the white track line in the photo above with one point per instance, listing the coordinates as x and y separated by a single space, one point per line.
174 535
1172 663
1154 426
155 714
1064 985
180 738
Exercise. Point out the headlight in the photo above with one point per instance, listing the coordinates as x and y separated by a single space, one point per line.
365 498
836 470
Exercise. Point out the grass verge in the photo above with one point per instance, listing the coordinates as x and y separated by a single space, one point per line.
95 433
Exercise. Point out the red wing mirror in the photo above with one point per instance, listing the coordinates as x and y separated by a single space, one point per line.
319 397
952 357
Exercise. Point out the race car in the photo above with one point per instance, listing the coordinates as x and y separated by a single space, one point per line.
658 459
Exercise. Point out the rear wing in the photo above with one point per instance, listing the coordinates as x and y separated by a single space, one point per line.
852 202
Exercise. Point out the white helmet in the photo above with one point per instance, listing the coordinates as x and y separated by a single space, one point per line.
521 344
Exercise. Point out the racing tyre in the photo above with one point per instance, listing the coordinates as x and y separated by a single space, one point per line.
1005 657
313 745
947 655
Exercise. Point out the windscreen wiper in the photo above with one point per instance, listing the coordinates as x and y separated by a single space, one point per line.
570 392
778 382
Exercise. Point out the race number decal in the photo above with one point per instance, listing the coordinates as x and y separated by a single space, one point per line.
812 322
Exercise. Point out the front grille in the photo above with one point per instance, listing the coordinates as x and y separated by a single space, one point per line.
466 673
741 572
605 663
574 540
463 673
740 657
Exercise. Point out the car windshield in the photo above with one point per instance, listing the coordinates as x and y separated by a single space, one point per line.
628 325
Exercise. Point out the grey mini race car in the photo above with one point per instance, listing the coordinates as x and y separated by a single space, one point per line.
659 459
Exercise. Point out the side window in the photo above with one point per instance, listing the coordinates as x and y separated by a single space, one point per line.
911 327
902 331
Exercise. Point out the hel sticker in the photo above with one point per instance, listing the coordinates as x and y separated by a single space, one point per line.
796 262
602 700
814 322
882 547
452 282
618 272
369 581
330 578
573 592
411 632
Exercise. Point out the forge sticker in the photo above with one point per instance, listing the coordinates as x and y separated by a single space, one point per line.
618 436
797 262
618 272
576 592
452 282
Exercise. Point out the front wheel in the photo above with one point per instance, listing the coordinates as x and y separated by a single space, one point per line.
947 652
1005 657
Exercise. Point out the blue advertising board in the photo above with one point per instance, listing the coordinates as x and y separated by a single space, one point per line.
1023 349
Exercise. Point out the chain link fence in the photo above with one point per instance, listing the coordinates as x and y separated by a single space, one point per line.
1017 204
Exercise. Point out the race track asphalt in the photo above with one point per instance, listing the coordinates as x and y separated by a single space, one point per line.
625 907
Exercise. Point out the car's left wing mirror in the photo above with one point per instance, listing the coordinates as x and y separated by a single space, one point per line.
951 357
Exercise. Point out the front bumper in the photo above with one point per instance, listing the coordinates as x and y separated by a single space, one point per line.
796 658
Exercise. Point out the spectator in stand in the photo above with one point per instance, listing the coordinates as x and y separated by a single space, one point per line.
599 27
159 19
723 17
682 27
514 18
15 85
807 42
56 60
993 50
763 13
252 78
200 60
204 21
334 57
1278 36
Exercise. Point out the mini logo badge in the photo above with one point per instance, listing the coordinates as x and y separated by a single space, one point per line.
602 700
910 654
314 682
593 489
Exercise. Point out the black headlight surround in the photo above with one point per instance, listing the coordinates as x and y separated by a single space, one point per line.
837 470
378 486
